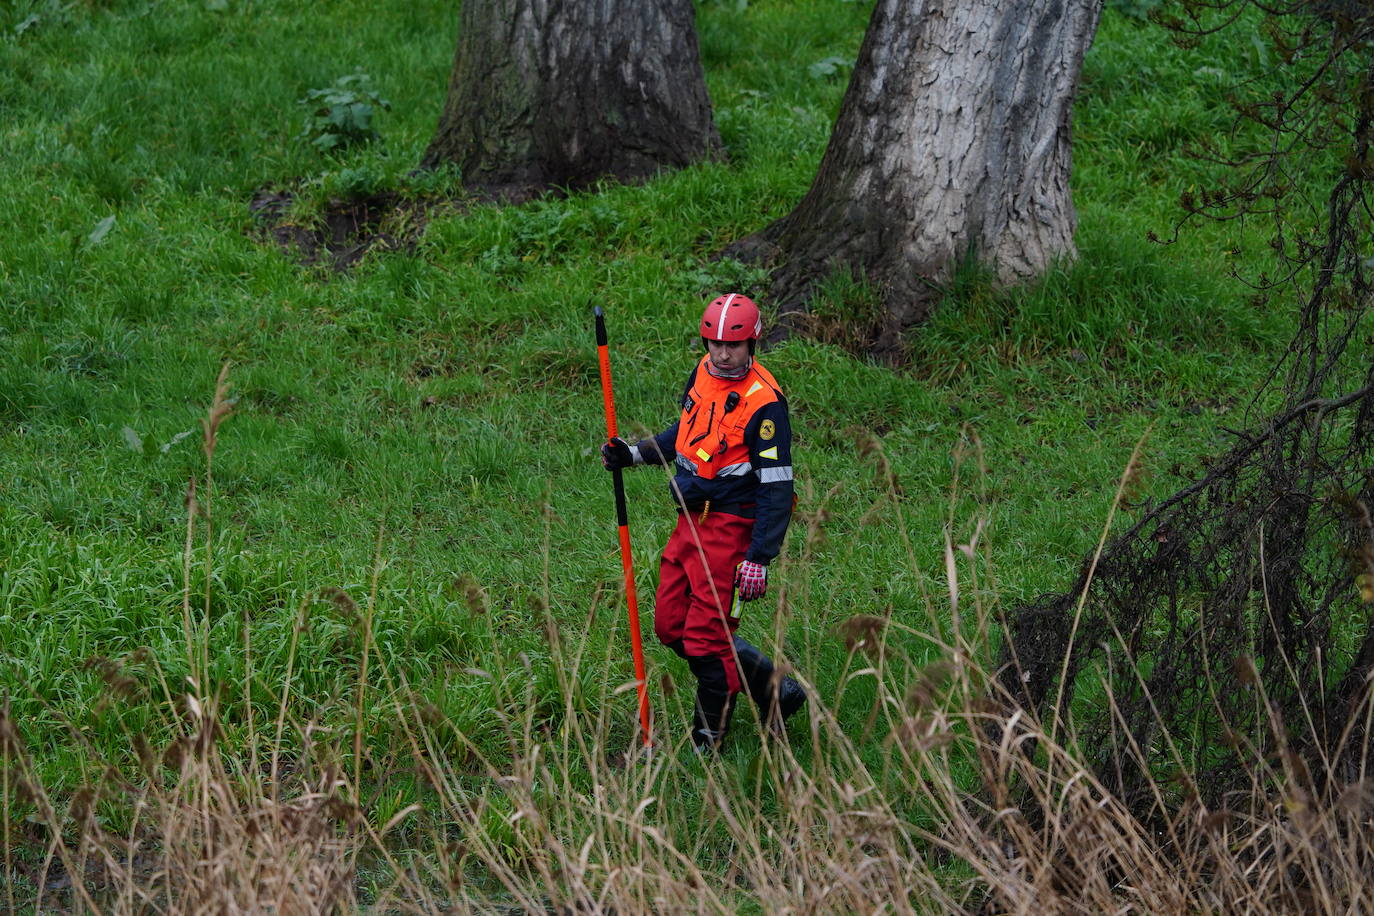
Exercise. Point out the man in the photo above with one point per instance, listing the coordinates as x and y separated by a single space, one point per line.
732 448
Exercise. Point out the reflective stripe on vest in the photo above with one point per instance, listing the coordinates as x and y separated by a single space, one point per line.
735 470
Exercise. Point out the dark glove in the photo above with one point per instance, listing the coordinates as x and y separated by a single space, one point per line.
751 581
617 454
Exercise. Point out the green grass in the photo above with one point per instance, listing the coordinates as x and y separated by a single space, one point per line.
429 422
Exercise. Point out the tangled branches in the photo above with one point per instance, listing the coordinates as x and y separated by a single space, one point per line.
1236 619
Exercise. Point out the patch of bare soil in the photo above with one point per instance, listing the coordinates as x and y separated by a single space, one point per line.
347 229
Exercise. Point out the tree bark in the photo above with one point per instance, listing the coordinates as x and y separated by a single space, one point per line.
561 93
953 141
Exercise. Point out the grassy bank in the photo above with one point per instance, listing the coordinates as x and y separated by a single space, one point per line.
409 475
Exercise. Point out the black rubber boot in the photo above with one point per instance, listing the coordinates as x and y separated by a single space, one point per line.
777 698
711 720
714 703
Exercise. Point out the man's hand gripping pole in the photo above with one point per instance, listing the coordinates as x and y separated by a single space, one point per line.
626 558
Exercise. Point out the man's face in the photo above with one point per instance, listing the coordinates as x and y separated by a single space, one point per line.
728 355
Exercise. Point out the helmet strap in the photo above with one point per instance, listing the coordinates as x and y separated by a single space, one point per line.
739 373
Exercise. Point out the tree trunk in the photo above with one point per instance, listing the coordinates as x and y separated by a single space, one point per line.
952 141
546 94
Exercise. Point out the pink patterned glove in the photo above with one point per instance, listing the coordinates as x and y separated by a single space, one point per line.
751 581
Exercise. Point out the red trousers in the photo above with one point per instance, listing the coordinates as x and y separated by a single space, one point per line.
695 584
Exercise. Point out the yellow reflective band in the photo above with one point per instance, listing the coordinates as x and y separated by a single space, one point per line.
752 388
770 453
703 454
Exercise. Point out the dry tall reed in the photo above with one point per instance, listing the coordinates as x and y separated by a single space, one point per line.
950 797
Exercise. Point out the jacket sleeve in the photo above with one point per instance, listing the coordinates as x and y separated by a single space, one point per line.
660 449
769 437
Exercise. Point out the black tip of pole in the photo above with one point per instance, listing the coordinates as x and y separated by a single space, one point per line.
601 339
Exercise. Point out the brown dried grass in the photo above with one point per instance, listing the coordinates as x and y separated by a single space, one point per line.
973 804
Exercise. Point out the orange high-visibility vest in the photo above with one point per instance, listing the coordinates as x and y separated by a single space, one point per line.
715 412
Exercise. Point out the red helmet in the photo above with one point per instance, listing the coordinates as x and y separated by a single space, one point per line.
732 317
